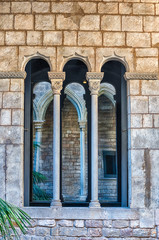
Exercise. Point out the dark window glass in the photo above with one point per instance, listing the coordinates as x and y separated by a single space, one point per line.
110 167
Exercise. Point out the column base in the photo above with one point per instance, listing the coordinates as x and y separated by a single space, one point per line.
56 203
94 204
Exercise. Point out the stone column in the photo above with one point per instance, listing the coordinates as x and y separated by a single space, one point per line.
82 125
94 80
56 82
37 151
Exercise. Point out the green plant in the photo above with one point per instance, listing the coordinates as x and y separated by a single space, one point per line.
12 217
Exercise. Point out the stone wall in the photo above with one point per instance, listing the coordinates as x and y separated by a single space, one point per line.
94 31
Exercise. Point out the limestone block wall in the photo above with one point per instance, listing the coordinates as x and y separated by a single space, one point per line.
95 31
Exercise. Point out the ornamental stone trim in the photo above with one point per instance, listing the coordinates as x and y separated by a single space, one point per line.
140 76
94 80
56 75
20 74
56 86
94 75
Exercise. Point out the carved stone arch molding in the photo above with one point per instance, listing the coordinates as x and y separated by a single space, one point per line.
37 55
115 57
76 56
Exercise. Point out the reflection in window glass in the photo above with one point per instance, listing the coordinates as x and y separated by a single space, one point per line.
74 145
107 163
42 142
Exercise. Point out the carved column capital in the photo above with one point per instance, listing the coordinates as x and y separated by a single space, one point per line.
94 79
56 79
82 125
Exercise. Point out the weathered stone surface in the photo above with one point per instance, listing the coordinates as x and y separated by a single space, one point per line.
24 22
67 23
41 7
147 120
2 171
134 87
0 99
58 7
107 223
138 39
132 23
15 38
155 40
34 38
137 192
125 8
151 23
139 104
79 223
143 9
134 223
137 163
88 7
42 231
126 232
17 117
44 22
17 85
147 218
111 23
54 232
70 38
95 232
154 104
150 87
21 7
120 223
108 8
6 22
65 223
46 223
141 232
156 120
89 38
52 38
147 64
74 232
4 85
111 232
1 38
114 39
94 224
11 135
12 100
146 52
5 117
4 7
8 58
90 22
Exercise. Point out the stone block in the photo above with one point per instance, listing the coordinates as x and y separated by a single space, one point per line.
65 223
114 39
134 87
134 223
21 7
139 104
24 22
2 171
143 9
17 117
157 9
107 223
1 38
34 38
5 117
46 223
12 100
52 38
157 217
0 99
147 64
4 85
126 232
64 7
15 38
137 164
120 223
89 38
6 22
90 22
70 38
73 232
154 166
111 23
95 232
4 7
16 85
151 24
40 7
154 104
44 22
67 23
108 8
138 39
146 52
150 87
8 58
42 231
54 232
79 223
147 218
132 23
155 39
147 120
11 134
142 138
137 193
156 120
111 232
88 7
141 232
94 224
125 8
136 121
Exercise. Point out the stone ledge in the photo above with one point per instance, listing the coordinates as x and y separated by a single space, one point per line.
16 75
141 76
82 213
